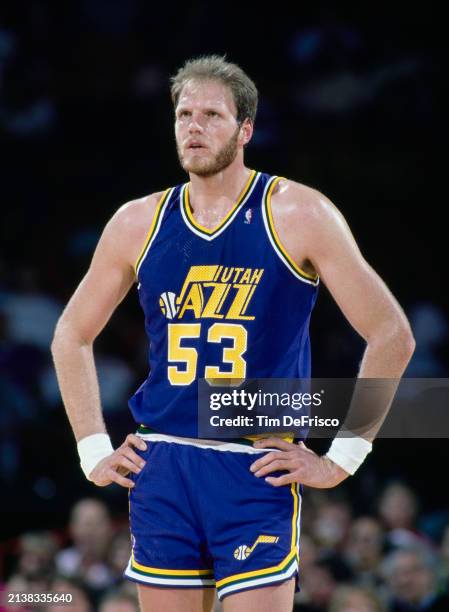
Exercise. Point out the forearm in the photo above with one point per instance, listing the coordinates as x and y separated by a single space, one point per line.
77 377
387 356
382 366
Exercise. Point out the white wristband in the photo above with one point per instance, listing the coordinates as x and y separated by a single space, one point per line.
92 449
349 453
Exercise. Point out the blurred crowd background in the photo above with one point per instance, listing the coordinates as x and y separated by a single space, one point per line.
384 558
351 103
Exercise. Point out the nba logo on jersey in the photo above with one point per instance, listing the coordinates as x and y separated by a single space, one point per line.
167 302
248 216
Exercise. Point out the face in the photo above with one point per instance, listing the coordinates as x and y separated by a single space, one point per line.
410 580
318 584
365 541
37 554
398 507
208 137
331 524
90 526
358 602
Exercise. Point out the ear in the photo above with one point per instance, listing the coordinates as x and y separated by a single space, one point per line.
246 131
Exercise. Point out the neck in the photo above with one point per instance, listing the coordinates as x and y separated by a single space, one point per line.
218 190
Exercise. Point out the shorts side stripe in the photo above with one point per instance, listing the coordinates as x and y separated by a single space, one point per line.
252 583
294 491
168 580
257 573
298 520
156 571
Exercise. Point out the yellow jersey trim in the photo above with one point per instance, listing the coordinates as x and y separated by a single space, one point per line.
276 568
287 437
293 264
150 232
191 218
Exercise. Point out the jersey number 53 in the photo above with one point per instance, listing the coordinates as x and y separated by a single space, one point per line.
188 355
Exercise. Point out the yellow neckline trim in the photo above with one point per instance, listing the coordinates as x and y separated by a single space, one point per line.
210 231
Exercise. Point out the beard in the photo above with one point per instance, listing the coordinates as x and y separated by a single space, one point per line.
210 167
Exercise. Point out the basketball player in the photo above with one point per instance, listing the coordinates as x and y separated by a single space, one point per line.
227 268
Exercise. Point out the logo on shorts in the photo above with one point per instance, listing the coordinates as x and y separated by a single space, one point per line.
243 551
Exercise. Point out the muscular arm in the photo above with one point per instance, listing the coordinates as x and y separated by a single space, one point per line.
318 238
106 283
367 304
360 293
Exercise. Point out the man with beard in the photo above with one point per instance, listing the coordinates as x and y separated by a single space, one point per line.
227 269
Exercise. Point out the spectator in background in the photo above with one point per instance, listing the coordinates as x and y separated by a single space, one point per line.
308 550
319 582
31 313
35 565
119 553
411 578
364 549
91 532
317 588
80 601
331 525
398 509
355 599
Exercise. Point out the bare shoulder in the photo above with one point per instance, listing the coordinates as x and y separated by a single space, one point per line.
306 222
128 227
136 216
307 212
300 202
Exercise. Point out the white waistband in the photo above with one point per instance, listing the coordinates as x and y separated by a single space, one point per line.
233 447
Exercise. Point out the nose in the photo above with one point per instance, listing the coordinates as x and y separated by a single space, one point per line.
194 124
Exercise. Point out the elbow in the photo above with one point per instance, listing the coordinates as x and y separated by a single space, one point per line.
411 343
64 336
395 337
405 342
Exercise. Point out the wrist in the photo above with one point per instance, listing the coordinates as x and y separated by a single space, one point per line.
349 452
92 449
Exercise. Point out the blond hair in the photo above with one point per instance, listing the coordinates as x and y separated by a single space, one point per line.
216 68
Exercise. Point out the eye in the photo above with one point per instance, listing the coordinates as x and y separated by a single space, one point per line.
183 113
212 114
